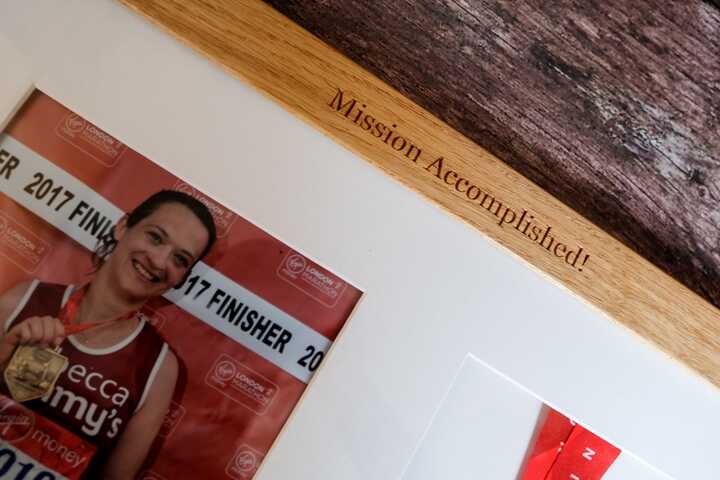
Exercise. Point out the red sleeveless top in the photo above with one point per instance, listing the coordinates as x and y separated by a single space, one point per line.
101 389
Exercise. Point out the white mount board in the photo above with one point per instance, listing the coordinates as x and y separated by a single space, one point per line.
486 427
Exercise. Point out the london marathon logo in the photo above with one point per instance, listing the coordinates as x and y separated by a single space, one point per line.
16 421
172 419
20 245
244 463
91 140
311 278
241 384
223 217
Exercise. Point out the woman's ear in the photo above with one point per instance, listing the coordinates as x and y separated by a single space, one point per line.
120 228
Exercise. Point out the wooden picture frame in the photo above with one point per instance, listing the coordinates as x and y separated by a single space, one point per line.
436 289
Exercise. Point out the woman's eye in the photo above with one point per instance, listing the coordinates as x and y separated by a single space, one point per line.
154 238
181 261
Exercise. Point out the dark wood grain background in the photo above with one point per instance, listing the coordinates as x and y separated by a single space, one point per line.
612 106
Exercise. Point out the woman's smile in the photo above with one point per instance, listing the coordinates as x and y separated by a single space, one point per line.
158 251
145 273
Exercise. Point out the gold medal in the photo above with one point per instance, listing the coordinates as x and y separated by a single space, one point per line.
33 371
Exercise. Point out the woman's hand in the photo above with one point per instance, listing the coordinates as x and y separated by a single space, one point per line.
36 331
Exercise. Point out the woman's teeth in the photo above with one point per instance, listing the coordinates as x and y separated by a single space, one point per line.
144 272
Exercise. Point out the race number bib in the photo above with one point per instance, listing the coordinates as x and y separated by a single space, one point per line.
35 448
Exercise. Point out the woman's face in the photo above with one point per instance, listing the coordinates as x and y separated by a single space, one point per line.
155 254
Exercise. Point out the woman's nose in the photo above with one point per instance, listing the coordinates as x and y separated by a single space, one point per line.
159 256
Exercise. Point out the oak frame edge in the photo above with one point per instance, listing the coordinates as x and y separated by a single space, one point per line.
289 65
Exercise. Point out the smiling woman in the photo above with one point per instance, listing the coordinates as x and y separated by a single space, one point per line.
176 230
120 374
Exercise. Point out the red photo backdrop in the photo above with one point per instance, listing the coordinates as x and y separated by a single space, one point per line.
216 427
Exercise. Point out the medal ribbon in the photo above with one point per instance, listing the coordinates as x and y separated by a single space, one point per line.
69 311
565 450
33 371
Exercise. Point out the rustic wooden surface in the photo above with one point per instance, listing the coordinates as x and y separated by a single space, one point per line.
257 44
613 107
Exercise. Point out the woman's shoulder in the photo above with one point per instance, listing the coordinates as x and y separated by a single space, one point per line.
19 289
155 345
48 297
10 299
170 365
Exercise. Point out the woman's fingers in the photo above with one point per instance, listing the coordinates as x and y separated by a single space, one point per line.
41 331
48 331
24 334
59 333
36 330
52 331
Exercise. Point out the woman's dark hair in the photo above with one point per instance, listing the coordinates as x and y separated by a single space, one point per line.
107 243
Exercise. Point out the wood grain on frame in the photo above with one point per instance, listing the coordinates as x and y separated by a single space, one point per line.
612 107
259 45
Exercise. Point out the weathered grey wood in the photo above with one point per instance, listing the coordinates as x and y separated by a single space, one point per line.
612 106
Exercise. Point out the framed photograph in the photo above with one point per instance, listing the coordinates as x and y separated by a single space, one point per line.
434 290
243 319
